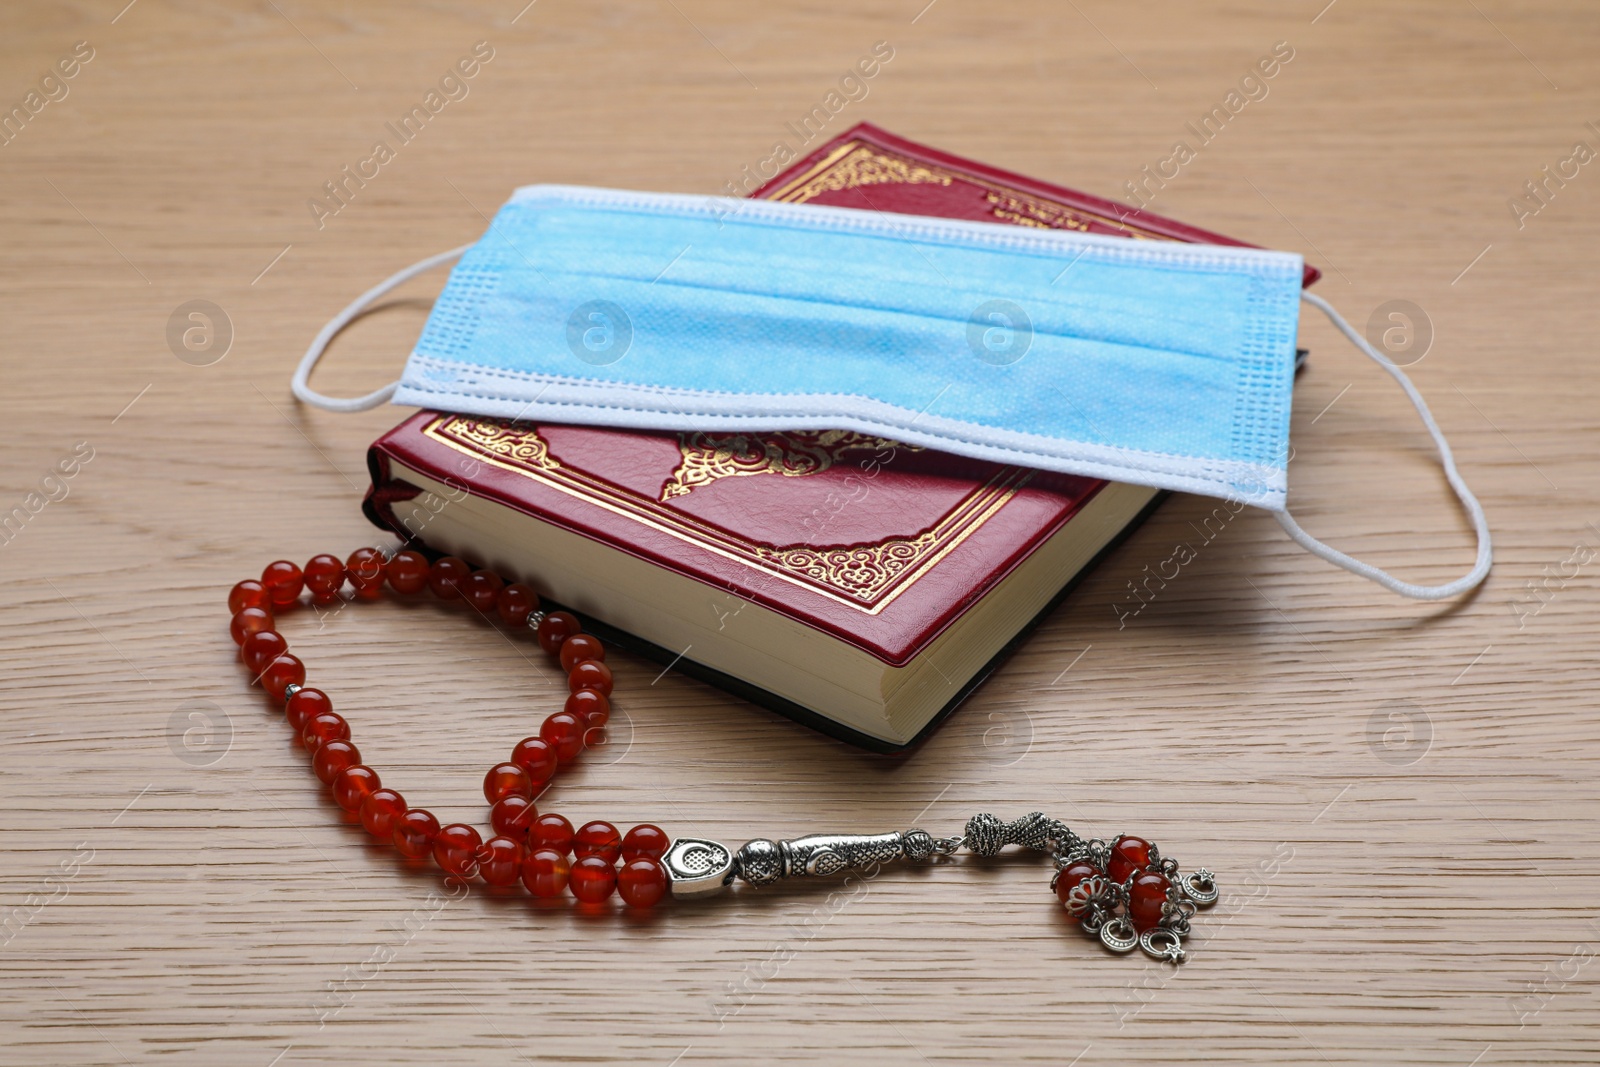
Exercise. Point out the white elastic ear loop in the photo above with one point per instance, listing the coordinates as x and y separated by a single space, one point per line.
1468 501
300 383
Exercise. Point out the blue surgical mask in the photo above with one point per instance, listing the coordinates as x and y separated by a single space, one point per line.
1158 363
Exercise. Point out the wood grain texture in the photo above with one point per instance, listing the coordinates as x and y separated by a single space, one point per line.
1400 798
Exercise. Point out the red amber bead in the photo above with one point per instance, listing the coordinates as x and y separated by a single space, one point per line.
353 785
284 671
545 872
506 780
513 817
247 621
323 727
515 603
595 736
455 848
564 733
324 577
1145 897
590 674
480 589
555 628
590 705
414 833
333 757
536 756
1071 875
380 810
248 594
597 839
642 883
579 647
500 861
645 841
260 649
1128 854
407 571
551 831
303 705
364 568
593 879
446 575
283 581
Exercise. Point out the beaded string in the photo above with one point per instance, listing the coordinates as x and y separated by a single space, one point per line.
1125 893
541 850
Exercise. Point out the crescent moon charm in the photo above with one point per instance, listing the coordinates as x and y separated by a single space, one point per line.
1118 935
1162 944
1200 887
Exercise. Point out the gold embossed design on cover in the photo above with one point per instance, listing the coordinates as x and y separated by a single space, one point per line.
860 166
865 577
863 569
1040 214
855 164
708 457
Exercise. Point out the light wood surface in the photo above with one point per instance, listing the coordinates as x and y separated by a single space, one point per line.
1399 798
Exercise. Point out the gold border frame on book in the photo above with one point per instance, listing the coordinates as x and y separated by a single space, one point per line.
857 163
866 577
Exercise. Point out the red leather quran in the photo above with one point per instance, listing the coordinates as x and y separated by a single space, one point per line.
861 586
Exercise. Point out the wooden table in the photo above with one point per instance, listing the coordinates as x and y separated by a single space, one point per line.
1400 798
